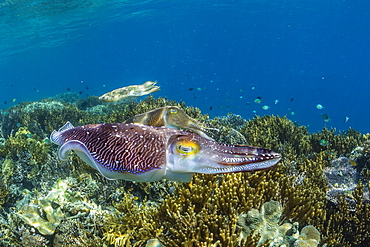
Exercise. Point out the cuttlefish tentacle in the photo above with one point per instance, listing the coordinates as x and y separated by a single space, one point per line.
171 116
145 153
222 158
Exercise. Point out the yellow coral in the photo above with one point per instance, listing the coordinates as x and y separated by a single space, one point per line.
24 141
132 223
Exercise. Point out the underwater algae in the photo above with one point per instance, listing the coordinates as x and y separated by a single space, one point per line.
88 210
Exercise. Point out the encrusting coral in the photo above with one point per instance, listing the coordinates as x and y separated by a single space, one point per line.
264 223
267 224
309 237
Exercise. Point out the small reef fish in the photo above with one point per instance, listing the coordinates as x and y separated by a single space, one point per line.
257 101
145 153
324 143
265 107
173 117
319 107
130 93
346 119
325 117
353 163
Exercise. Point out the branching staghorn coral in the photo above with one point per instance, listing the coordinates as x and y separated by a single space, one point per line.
346 226
133 223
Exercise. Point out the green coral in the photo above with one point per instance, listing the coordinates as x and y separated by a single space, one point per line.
24 142
281 134
7 169
4 191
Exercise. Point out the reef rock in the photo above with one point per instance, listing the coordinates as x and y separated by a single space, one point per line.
342 177
266 224
310 237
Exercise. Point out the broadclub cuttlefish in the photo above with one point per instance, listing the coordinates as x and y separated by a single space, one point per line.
173 117
147 153
130 93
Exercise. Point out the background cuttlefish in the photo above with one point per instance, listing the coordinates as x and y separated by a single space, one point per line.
173 117
145 153
130 93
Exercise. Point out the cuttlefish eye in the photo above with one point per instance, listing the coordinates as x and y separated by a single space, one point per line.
173 111
187 147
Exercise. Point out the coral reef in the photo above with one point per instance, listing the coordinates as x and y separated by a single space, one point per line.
32 215
347 226
3 192
133 222
32 239
23 141
309 237
266 224
342 178
45 212
74 206
229 127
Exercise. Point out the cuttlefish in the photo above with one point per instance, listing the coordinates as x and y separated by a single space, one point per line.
146 153
173 117
130 93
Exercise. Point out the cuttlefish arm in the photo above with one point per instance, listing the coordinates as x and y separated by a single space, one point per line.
173 117
130 92
144 153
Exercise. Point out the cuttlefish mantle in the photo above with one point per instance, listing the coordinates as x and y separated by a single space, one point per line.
145 153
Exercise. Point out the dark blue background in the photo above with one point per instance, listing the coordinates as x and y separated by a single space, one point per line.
302 53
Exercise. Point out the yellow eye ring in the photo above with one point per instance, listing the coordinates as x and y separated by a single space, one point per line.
173 111
187 147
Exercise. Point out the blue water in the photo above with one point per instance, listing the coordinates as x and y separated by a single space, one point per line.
216 55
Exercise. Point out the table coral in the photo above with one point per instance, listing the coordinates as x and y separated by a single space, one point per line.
32 215
45 213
